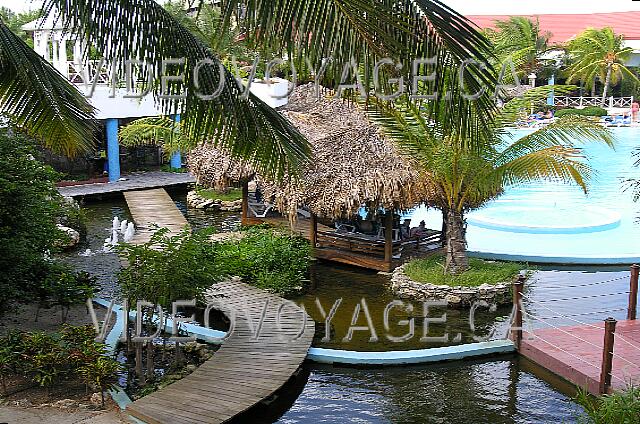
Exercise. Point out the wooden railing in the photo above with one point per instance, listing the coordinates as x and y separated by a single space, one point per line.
357 244
568 101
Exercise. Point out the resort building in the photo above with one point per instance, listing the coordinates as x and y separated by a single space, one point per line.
115 104
564 27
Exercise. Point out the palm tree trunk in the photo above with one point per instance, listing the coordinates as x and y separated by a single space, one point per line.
607 81
456 247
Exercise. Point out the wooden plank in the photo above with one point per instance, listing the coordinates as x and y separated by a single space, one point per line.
579 359
242 373
153 208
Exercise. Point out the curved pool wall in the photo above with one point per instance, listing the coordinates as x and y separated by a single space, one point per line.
336 356
551 222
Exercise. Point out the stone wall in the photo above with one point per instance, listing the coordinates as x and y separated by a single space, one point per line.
194 200
456 297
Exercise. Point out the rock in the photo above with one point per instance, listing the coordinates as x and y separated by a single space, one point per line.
191 368
456 297
65 404
96 399
73 235
194 200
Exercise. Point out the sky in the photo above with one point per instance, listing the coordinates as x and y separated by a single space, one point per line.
475 7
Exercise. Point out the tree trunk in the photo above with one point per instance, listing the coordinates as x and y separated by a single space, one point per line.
139 371
607 81
150 365
443 230
456 248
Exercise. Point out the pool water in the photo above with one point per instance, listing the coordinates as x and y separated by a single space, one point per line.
551 222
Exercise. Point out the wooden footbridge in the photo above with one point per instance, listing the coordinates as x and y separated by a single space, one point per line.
268 340
266 346
600 357
152 209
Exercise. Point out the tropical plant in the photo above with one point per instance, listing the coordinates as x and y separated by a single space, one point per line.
29 208
101 373
270 259
15 21
521 40
464 178
622 407
599 54
38 100
247 127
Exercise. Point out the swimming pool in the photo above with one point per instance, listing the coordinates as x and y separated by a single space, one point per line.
551 222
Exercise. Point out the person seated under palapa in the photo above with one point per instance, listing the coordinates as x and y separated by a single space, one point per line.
405 229
419 231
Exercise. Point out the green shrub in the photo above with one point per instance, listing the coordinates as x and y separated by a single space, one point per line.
266 257
618 408
29 208
63 286
431 270
588 111
46 359
168 268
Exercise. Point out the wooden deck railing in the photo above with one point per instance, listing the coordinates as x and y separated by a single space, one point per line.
581 101
358 244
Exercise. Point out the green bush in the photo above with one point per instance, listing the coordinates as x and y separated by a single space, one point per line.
46 359
588 111
618 408
29 208
170 268
431 270
266 257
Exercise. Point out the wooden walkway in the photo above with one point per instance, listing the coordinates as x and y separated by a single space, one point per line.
562 315
245 370
150 208
137 181
575 353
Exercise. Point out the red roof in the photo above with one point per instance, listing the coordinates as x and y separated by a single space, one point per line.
565 26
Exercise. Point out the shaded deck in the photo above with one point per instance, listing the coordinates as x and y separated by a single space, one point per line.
150 208
575 353
356 250
137 181
245 370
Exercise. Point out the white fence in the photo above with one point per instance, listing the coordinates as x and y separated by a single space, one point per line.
610 102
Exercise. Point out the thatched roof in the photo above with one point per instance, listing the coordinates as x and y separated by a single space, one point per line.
353 164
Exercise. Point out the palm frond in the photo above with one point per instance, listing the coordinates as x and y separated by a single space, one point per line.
560 163
40 100
144 30
566 132
161 131
512 109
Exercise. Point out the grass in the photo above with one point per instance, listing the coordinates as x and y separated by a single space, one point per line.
618 408
230 196
431 270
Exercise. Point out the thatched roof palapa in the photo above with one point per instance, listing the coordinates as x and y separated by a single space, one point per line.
353 165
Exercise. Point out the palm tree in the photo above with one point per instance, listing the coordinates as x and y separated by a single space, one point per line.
599 54
39 100
521 40
465 179
304 29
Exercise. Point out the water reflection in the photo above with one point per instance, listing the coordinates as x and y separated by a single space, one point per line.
498 391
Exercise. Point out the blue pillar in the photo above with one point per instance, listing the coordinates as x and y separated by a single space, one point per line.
176 158
550 97
113 150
